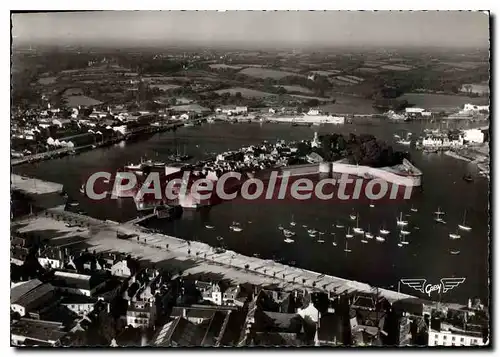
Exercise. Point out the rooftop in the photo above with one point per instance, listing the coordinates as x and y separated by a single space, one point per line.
21 289
38 330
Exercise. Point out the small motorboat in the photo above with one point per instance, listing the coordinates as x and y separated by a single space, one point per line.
369 235
235 227
280 227
208 226
352 217
288 240
384 231
312 231
440 220
372 204
454 236
380 239
413 209
288 233
339 226
74 204
320 241
468 178
454 252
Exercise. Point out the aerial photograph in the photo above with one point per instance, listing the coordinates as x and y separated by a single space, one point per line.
250 179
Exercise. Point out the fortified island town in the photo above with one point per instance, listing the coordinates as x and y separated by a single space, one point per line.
119 272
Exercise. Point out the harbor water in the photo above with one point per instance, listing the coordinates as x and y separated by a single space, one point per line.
383 264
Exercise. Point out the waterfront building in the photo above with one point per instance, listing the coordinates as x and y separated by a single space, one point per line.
474 136
448 336
471 109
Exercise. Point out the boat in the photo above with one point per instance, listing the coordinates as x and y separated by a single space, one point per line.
312 235
357 229
74 204
400 221
468 177
288 240
82 189
380 239
400 243
348 234
405 233
219 238
235 227
438 218
403 241
320 241
413 209
363 240
396 136
454 252
454 235
404 142
321 233
304 225
288 233
280 227
292 223
463 226
339 226
353 216
369 235
371 204
208 226
312 231
334 243
347 250
384 231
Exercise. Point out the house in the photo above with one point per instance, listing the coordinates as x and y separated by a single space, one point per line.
179 332
18 255
230 110
141 314
80 284
233 296
313 111
474 136
447 336
195 315
122 269
30 295
52 258
29 332
79 304
209 292
60 122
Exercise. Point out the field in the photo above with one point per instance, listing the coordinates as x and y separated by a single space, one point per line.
349 105
266 73
297 89
441 101
398 67
164 86
310 97
464 65
224 66
368 70
47 80
73 91
190 107
76 100
326 73
245 92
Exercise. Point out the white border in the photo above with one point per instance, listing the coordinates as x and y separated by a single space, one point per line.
194 5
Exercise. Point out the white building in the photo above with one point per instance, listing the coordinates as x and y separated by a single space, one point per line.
80 284
141 315
313 112
474 136
414 110
474 109
210 292
454 338
121 269
79 304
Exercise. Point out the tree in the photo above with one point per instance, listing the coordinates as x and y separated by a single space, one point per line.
237 95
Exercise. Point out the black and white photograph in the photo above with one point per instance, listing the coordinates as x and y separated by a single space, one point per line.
250 179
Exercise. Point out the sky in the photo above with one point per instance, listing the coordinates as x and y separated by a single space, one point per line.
255 28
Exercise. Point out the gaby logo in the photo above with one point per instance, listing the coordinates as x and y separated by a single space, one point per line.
420 285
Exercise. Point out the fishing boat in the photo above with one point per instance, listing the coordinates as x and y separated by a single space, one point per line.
358 229
454 235
235 227
288 240
292 223
463 226
348 234
347 250
208 226
454 252
380 239
400 221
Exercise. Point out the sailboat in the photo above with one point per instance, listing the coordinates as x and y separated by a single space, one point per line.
368 234
348 234
454 235
413 209
384 231
363 239
357 229
438 218
347 250
334 243
339 225
292 223
463 226
404 233
403 241
400 221
353 216
235 227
